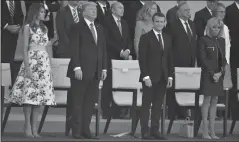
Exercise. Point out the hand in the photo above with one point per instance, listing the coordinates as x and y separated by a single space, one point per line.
13 28
78 74
216 76
104 75
29 73
148 82
170 83
125 54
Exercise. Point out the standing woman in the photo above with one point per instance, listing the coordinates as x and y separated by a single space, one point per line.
33 86
212 56
144 23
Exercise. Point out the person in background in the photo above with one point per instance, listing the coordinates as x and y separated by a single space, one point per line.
88 65
11 23
144 23
34 85
65 18
51 6
232 22
156 67
172 13
212 57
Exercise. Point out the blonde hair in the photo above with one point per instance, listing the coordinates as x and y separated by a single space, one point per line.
143 13
214 22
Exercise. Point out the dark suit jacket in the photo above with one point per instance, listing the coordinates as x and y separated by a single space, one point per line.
52 8
115 41
172 14
154 61
64 21
200 20
85 53
9 40
232 21
184 51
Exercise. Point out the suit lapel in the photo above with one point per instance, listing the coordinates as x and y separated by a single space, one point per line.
68 11
155 40
90 33
115 26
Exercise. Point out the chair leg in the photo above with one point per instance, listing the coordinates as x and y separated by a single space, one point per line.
2 101
97 123
43 118
68 122
232 126
170 124
8 110
109 117
136 121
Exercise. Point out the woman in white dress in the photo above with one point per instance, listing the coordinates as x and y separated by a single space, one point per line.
33 86
144 23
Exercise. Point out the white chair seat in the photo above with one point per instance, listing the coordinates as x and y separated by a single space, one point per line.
126 98
187 99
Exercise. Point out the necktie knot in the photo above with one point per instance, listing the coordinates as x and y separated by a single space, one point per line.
91 24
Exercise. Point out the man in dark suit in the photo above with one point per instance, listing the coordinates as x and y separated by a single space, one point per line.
11 22
52 6
202 16
172 13
88 65
119 45
103 10
65 18
130 14
183 33
232 21
156 66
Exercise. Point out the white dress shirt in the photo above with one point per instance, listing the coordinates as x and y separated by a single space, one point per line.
237 5
116 21
156 34
210 11
102 7
185 28
142 2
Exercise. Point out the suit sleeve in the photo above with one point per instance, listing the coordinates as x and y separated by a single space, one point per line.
54 7
203 58
143 55
20 15
170 60
199 25
75 45
104 64
60 28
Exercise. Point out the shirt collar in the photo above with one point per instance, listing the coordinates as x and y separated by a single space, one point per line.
88 22
156 33
142 2
237 5
210 11
101 5
72 8
115 18
183 21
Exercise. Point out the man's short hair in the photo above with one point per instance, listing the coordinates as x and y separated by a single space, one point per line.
158 14
181 4
86 4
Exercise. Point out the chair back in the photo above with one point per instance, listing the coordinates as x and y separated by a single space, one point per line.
187 78
6 75
125 74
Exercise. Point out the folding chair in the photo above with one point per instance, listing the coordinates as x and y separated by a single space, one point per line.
126 90
6 83
61 86
234 120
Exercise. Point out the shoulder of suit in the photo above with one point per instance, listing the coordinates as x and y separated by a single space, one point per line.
201 11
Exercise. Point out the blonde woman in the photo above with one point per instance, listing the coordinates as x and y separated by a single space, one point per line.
144 23
213 60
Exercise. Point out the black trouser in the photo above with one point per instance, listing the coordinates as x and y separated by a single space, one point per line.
154 95
84 96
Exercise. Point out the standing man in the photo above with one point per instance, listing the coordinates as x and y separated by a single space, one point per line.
183 33
51 6
155 61
119 45
232 21
87 67
172 13
65 18
11 22
202 16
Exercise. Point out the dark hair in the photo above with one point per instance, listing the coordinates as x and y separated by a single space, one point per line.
33 12
181 4
158 14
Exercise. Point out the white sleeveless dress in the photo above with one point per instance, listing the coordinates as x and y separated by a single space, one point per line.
39 89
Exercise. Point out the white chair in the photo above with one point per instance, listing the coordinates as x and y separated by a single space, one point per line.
6 83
